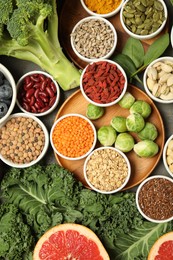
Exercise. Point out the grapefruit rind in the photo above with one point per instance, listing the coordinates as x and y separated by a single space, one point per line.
75 227
155 248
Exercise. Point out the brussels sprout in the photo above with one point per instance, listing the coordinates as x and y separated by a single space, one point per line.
94 112
106 135
148 132
146 148
141 107
119 123
127 100
135 122
124 142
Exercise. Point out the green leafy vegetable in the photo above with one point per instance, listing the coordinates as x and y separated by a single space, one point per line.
29 31
133 48
16 240
49 195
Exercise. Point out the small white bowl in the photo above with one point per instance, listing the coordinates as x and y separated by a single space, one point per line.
106 15
20 84
116 100
104 191
7 74
83 130
147 36
171 36
150 196
165 159
94 19
145 76
46 143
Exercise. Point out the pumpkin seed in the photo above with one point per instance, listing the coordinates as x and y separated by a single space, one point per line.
147 12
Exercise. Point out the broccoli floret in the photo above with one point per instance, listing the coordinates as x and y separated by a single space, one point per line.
29 31
16 241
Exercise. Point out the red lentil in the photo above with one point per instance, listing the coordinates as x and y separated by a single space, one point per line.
73 136
37 93
155 198
103 82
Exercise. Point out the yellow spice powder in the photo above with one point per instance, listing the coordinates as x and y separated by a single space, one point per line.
102 6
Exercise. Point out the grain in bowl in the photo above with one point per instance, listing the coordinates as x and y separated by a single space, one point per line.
107 170
73 136
24 140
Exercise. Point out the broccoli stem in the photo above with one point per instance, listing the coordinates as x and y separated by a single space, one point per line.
45 55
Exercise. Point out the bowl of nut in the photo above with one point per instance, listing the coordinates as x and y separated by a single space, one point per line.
24 140
37 93
93 38
168 155
102 9
103 83
158 80
107 170
143 19
154 199
7 93
73 136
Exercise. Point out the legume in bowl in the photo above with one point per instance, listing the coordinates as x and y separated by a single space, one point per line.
73 136
103 83
168 155
154 199
7 93
38 93
158 80
143 19
102 8
93 38
107 170
24 140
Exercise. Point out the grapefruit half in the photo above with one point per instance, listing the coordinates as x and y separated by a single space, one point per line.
162 248
70 242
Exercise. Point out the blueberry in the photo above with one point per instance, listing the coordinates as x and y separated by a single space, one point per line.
6 92
6 101
3 109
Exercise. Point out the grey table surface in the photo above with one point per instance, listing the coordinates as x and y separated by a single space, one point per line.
19 67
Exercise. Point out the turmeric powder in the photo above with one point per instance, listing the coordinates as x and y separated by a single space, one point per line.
102 6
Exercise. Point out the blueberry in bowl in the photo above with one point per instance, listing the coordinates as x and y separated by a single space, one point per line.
7 93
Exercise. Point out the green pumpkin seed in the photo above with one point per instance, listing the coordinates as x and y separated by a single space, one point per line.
158 6
141 8
128 15
129 9
144 32
144 3
133 28
138 20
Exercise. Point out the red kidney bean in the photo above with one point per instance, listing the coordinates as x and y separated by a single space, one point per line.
32 101
40 103
50 92
37 94
30 92
44 109
26 106
52 101
53 87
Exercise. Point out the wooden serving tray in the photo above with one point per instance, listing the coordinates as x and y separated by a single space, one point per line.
72 11
141 167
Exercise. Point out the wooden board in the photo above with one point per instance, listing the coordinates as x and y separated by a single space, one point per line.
141 167
72 11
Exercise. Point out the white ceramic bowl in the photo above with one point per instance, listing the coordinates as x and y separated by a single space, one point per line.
82 131
7 74
146 86
20 84
85 20
116 100
151 196
104 191
106 15
167 153
44 150
171 36
147 36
